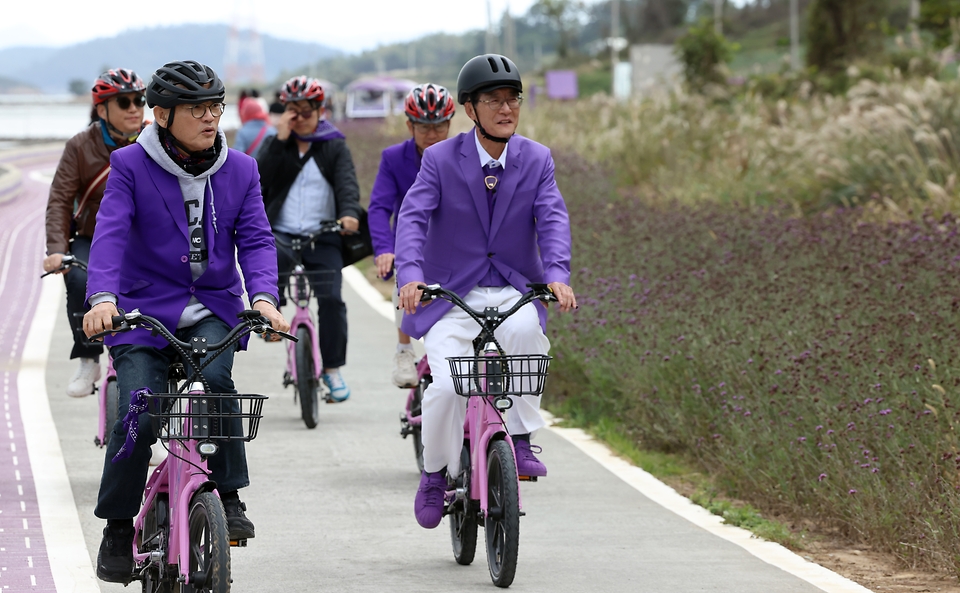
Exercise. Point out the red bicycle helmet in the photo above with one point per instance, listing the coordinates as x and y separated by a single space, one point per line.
115 82
429 104
301 88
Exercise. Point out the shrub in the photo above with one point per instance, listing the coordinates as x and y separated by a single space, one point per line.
702 51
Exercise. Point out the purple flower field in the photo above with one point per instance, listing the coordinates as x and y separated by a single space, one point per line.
809 363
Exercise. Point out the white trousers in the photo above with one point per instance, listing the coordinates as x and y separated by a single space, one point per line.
443 410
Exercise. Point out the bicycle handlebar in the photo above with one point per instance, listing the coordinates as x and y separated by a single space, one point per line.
251 320
328 226
68 261
538 292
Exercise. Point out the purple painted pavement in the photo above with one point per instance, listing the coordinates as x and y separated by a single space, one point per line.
24 564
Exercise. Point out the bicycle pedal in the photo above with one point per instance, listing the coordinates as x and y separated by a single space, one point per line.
238 543
527 478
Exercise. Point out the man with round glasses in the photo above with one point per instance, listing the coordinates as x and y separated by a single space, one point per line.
483 219
74 200
429 109
308 178
179 212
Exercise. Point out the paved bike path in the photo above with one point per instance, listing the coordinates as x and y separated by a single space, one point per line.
333 506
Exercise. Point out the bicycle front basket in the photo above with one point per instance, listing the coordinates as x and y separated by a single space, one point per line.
206 416
513 374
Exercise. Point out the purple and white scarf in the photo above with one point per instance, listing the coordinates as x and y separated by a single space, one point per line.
131 422
325 131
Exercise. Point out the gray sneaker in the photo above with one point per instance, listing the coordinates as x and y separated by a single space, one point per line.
405 368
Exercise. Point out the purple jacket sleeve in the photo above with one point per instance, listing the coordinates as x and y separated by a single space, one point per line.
256 250
418 205
113 225
553 228
383 198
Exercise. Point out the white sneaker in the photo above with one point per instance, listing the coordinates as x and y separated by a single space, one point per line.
83 381
405 368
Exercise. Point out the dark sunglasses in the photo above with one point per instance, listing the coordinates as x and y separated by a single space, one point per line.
124 101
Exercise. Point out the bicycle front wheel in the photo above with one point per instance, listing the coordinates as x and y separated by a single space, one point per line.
209 545
502 524
307 378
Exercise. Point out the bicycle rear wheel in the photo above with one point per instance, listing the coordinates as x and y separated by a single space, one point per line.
307 378
209 546
502 524
463 518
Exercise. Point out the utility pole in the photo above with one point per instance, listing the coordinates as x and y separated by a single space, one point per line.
718 17
488 40
509 32
614 47
914 12
795 34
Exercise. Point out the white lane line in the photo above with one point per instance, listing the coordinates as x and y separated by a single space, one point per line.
770 552
66 547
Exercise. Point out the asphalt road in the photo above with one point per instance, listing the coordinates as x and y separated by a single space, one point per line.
334 506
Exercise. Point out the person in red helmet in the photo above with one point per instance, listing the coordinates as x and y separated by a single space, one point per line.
75 194
429 108
308 177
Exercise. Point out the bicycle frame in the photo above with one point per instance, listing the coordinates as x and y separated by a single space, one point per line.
179 478
302 318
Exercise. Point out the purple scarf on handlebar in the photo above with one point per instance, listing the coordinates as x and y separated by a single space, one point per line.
325 131
131 422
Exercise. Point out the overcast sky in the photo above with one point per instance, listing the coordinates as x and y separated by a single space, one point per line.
348 25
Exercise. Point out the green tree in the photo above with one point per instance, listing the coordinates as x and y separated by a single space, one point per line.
78 86
702 50
839 31
936 16
563 16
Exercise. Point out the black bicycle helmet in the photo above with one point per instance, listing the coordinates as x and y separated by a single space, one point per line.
487 73
184 82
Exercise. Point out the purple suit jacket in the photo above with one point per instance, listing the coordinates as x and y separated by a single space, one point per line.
399 165
140 249
445 233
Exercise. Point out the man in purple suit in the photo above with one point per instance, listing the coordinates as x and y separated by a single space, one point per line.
179 211
429 109
483 219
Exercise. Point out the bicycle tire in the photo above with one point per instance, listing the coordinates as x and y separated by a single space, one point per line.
209 554
415 431
306 378
502 523
463 519
111 410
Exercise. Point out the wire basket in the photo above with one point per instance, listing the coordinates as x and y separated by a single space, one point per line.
516 374
206 416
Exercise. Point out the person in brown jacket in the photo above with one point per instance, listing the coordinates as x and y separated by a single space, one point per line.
75 194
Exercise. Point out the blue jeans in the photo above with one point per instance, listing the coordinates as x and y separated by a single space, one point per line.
76 282
122 483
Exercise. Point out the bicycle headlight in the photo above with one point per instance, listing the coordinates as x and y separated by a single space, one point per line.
503 403
207 448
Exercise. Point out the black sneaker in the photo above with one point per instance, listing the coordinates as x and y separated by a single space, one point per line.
115 559
238 525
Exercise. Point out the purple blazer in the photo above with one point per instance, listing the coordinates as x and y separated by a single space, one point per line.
445 233
140 249
399 165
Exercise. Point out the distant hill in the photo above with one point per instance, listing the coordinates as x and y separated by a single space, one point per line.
144 50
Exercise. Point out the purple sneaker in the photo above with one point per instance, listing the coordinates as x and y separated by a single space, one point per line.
428 506
527 462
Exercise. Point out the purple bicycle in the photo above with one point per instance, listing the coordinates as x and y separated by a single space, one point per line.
108 395
181 540
487 489
304 362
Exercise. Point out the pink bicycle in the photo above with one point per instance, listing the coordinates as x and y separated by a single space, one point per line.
487 489
181 540
108 395
304 362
